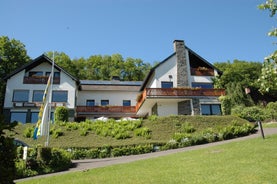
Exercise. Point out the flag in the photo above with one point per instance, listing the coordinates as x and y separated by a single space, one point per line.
43 115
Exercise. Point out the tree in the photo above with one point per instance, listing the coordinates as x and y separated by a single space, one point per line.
268 77
12 56
236 77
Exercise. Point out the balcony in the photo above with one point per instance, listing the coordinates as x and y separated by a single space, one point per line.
202 71
40 80
177 93
110 111
36 104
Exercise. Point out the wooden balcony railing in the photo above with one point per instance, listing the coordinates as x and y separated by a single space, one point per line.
40 80
202 71
36 104
177 92
106 109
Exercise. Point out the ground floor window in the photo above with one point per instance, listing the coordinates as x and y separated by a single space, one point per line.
19 117
34 117
210 109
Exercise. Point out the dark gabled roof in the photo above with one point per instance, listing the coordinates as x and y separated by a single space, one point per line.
110 83
36 62
191 51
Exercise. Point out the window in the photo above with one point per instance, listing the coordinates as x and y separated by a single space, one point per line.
202 85
59 96
38 95
126 102
56 74
90 103
167 84
104 102
20 96
19 117
34 117
35 74
210 109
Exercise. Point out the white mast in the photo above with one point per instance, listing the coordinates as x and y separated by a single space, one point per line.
50 100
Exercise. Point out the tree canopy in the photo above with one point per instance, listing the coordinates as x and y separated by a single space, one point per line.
268 77
98 67
237 76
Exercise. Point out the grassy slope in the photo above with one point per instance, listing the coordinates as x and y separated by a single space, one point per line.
245 162
162 130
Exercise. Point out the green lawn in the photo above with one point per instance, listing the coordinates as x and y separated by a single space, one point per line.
251 161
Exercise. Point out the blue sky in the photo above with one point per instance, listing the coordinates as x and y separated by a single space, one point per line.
218 30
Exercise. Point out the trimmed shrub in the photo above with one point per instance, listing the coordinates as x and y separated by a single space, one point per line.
61 114
251 114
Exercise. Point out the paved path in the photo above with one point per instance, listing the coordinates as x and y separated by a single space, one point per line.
83 165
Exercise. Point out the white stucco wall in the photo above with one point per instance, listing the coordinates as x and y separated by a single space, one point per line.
162 73
16 83
167 108
115 97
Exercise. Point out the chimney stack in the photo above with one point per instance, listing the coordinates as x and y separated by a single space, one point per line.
182 63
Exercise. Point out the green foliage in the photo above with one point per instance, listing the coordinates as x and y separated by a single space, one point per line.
236 77
226 105
61 114
56 132
271 110
99 67
144 132
251 114
42 160
268 77
7 154
28 132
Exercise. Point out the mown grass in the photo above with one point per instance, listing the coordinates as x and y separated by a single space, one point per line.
251 161
162 129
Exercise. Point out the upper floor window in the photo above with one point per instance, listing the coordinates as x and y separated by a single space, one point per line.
20 95
104 102
59 96
166 84
56 74
126 102
38 95
35 74
202 85
90 103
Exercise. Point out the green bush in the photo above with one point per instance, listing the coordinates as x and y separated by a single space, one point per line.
271 111
61 114
187 128
251 114
226 105
42 160
28 132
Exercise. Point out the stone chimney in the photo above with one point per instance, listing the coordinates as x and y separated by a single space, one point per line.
182 66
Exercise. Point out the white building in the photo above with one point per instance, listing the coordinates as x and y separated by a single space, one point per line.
181 85
25 88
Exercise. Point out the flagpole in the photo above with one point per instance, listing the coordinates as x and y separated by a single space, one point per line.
50 100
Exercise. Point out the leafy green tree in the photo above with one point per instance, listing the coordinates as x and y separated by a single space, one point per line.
236 77
268 78
12 56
